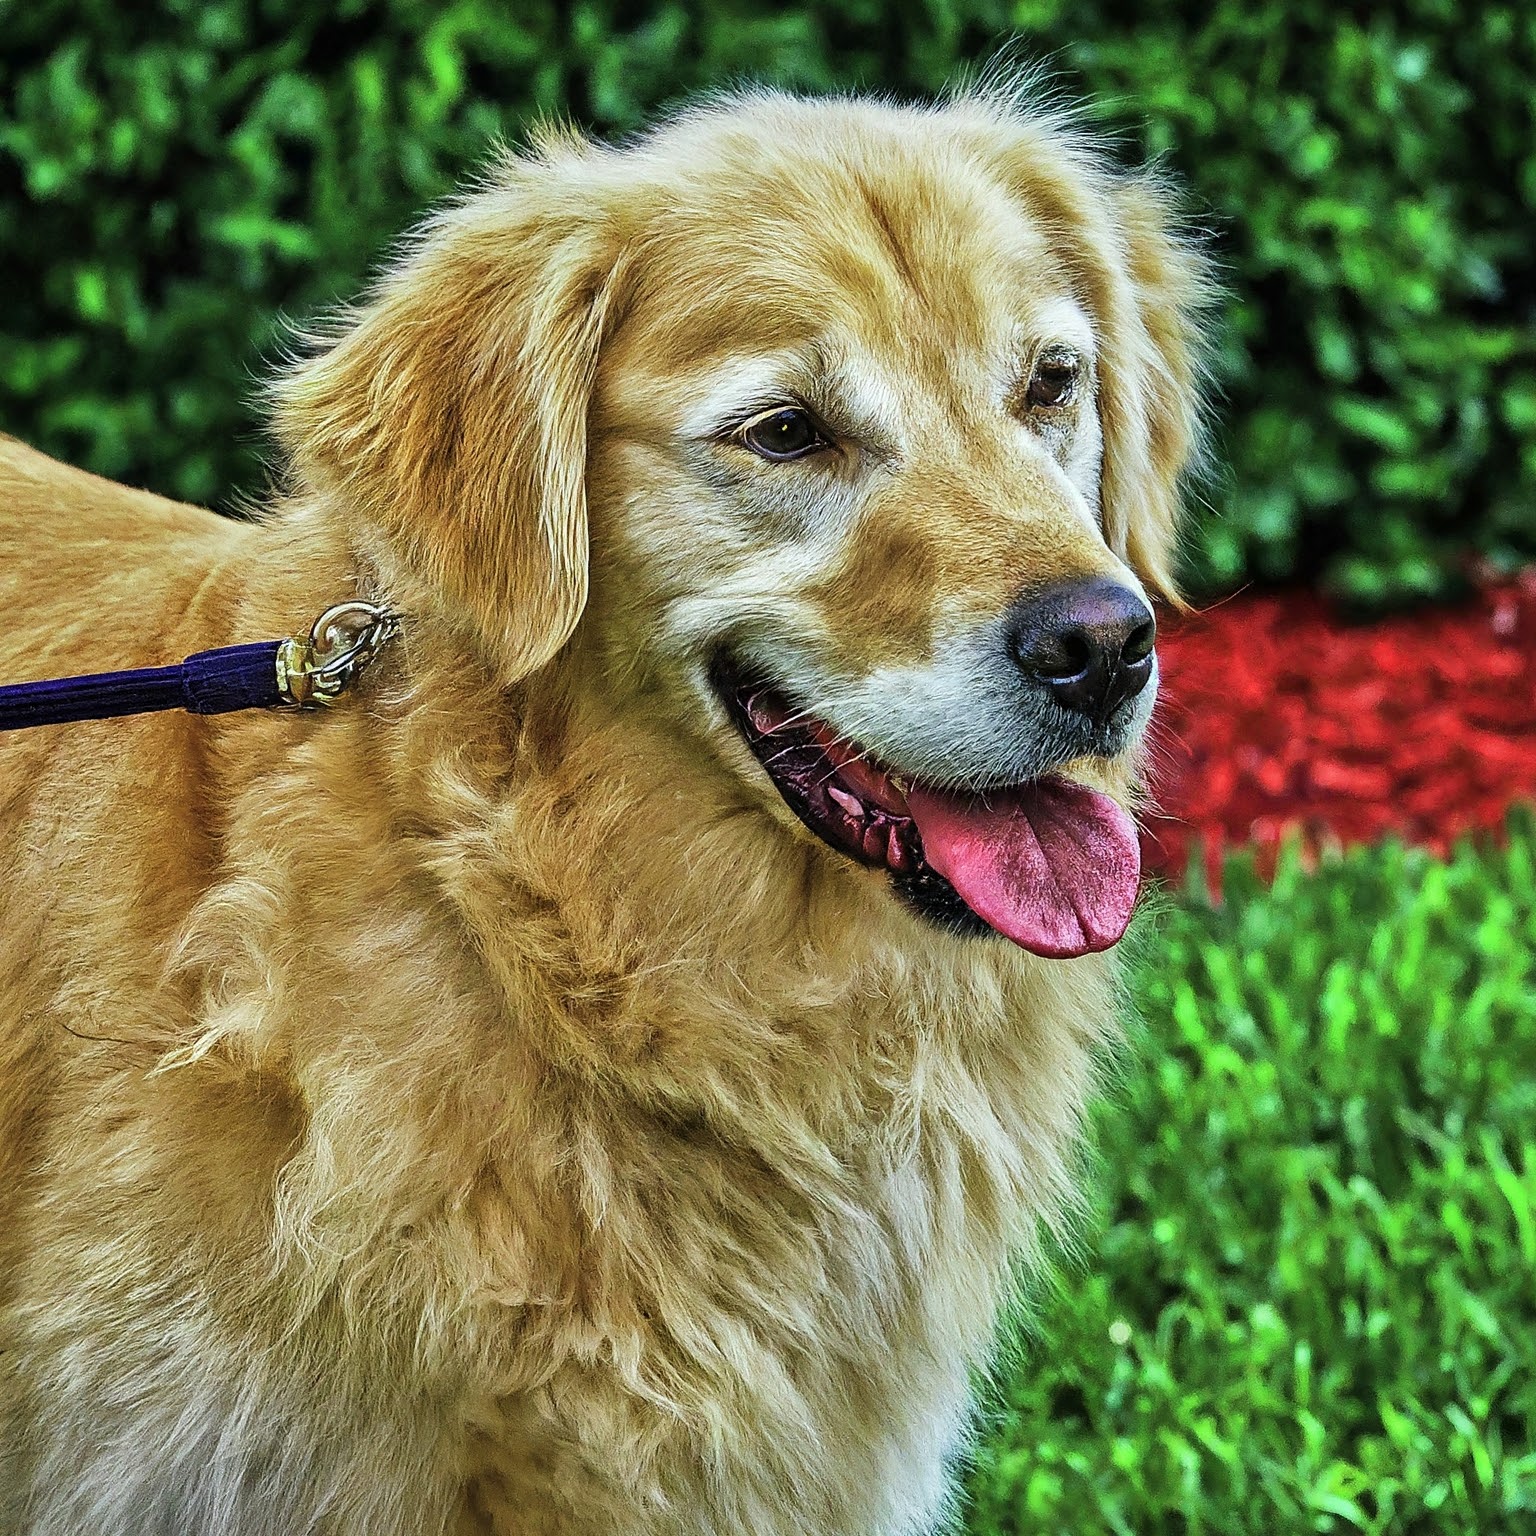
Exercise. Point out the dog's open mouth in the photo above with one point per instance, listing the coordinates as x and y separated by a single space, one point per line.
1050 864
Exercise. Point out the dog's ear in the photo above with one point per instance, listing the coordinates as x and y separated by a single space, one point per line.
1146 288
448 423
1152 292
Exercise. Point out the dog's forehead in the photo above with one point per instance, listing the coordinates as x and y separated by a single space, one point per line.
892 243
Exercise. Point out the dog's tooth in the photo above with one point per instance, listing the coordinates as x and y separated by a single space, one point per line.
761 714
897 854
874 841
849 803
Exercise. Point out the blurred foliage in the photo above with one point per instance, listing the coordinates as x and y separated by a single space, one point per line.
174 175
1309 1305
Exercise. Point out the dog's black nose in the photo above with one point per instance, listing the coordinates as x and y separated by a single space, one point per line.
1088 642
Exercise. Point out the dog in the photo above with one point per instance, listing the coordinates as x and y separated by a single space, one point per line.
602 1074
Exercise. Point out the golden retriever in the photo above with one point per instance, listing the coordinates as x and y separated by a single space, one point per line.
569 1086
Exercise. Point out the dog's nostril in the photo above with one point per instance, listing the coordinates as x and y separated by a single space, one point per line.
1060 657
1140 644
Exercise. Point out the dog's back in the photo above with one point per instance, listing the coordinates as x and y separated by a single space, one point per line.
93 574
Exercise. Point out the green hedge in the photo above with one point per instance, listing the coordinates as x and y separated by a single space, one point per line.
175 178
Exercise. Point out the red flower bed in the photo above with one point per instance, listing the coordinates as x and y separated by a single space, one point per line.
1277 715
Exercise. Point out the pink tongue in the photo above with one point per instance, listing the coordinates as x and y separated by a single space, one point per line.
1052 865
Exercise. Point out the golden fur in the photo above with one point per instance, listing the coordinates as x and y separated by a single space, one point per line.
484 1107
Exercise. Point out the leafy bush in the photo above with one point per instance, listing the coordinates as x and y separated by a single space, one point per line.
1309 1302
174 177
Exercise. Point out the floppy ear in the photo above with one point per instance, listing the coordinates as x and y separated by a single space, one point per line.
448 425
1151 299
1146 289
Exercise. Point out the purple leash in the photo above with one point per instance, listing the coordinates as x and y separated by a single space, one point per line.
306 671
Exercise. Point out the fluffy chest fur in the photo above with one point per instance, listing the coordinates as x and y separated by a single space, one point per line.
676 1216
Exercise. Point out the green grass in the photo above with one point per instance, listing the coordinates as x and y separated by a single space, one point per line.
1306 1300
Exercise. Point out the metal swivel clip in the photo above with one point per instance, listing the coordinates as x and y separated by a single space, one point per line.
317 668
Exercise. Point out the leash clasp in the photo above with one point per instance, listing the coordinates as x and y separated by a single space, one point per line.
317 668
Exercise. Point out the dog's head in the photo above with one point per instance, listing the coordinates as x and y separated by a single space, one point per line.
877 416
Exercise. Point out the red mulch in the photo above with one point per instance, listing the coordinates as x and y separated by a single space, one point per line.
1277 715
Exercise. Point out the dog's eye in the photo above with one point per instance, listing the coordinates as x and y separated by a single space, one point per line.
1054 381
786 432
